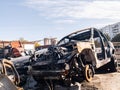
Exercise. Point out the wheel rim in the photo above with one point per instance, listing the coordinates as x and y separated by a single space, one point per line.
88 73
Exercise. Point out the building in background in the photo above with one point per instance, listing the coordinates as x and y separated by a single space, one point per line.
50 41
111 30
44 43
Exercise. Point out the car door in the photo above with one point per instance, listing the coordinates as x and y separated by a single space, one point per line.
10 71
99 45
106 45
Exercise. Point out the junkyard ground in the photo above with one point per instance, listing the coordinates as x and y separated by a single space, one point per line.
104 81
108 81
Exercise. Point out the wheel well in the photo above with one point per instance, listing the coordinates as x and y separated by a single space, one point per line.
88 57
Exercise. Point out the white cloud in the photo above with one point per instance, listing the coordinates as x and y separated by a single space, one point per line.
70 21
76 9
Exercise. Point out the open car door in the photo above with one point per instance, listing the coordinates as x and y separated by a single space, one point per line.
9 77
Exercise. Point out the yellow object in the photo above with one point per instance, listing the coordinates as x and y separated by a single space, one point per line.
37 44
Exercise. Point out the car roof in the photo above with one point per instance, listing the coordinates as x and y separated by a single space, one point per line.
77 32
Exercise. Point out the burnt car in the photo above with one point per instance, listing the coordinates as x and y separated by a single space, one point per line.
75 57
21 64
9 77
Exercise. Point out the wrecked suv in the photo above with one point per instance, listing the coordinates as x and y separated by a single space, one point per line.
75 57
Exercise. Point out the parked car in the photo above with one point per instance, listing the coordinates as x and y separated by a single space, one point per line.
75 57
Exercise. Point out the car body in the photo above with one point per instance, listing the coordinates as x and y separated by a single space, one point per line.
9 77
21 64
75 56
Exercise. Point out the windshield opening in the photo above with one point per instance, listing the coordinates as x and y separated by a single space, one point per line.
79 36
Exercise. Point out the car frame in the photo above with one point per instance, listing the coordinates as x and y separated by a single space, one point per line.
77 56
9 75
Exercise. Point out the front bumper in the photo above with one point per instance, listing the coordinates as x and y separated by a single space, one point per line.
49 74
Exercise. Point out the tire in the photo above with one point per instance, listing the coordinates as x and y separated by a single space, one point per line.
113 65
88 73
23 80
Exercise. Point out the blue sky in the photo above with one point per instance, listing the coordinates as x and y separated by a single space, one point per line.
37 19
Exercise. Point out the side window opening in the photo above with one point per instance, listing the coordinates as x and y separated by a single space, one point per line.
99 48
10 72
97 42
106 45
105 40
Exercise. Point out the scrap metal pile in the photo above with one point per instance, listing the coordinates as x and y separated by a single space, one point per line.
74 59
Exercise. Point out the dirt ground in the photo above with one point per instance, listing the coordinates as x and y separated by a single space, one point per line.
108 81
104 81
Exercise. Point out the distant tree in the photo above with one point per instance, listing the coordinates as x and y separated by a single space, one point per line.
22 39
116 38
107 36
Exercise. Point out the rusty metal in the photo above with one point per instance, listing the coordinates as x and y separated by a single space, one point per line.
9 77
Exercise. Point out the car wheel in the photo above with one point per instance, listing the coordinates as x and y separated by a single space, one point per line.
23 80
113 65
88 73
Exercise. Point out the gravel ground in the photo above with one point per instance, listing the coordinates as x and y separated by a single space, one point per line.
109 81
106 81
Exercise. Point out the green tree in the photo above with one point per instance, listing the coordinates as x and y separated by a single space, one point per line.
116 38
